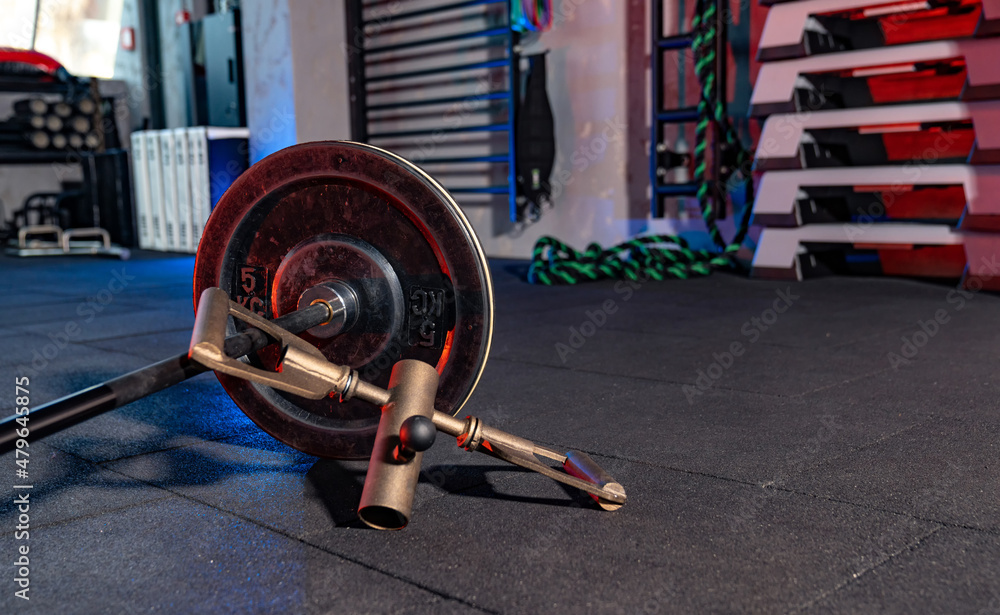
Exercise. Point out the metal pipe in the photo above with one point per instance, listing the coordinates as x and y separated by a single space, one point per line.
678 41
391 482
438 101
685 189
721 101
677 116
488 33
469 160
482 190
68 411
513 115
431 11
656 82
454 68
431 131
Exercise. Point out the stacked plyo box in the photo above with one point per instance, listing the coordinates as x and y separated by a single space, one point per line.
179 176
881 149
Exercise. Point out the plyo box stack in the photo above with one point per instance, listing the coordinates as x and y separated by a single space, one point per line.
179 176
881 149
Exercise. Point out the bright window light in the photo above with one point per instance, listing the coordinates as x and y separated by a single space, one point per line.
18 23
81 34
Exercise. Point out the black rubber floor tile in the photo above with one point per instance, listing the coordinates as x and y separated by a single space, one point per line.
57 369
178 556
681 544
786 477
774 369
874 288
653 299
55 316
738 359
257 477
932 383
182 305
951 571
20 347
527 302
577 319
753 438
583 347
107 324
510 391
16 296
943 469
65 487
152 348
195 410
80 278
155 294
72 276
820 328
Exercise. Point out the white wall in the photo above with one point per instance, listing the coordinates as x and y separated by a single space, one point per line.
322 105
130 68
587 80
268 76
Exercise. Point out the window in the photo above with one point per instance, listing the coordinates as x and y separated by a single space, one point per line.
80 34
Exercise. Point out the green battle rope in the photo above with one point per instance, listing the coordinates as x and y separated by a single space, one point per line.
660 257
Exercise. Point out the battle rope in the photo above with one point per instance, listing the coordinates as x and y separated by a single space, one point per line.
665 256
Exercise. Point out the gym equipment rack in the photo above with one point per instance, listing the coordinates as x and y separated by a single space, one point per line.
363 33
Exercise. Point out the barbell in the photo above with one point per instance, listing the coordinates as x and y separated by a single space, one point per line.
345 304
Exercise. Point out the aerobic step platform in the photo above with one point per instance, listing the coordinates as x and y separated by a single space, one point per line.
810 27
929 132
967 69
912 250
958 194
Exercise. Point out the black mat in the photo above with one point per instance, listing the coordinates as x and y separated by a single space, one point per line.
828 446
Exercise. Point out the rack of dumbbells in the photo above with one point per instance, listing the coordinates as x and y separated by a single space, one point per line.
51 117
58 126
881 148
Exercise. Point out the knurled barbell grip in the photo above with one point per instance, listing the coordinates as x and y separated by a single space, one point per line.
68 411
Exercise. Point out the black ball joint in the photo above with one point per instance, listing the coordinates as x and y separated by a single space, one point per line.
416 435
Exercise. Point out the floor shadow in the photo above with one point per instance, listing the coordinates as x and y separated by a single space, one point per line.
473 482
339 489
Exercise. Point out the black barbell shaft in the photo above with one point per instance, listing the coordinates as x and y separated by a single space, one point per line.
78 407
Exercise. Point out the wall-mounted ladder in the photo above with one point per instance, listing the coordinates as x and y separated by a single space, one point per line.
438 83
661 158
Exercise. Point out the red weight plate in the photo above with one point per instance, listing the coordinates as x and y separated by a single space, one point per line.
348 212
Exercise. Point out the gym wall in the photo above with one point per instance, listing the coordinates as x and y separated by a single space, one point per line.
296 80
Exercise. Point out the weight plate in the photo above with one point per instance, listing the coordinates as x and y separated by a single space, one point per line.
353 213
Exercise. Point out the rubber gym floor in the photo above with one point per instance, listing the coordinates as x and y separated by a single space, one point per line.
825 446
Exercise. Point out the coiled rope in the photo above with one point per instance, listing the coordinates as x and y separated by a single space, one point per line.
660 257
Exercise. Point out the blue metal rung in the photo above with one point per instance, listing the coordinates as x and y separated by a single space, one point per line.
680 41
685 189
677 116
482 190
